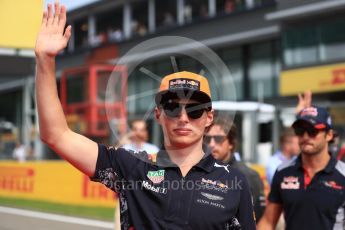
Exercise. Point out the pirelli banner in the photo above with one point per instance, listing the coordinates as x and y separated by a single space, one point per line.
321 79
53 181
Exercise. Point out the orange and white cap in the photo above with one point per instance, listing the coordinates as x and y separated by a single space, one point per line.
184 85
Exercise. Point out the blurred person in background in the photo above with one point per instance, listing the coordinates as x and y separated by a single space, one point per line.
221 140
289 149
19 153
137 138
310 190
183 110
334 145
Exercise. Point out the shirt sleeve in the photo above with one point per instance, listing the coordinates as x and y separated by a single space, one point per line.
116 165
245 215
259 199
275 195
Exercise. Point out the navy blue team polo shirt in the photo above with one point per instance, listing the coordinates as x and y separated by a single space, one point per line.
156 195
310 204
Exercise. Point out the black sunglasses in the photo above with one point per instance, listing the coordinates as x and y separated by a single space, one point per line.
311 131
193 110
217 138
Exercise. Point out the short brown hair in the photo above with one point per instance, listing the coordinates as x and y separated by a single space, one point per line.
288 133
229 127
137 120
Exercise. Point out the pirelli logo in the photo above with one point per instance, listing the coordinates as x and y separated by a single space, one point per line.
17 179
96 191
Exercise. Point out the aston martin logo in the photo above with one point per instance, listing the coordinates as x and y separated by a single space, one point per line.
211 197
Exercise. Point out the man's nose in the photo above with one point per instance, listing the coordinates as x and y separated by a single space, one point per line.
183 115
212 143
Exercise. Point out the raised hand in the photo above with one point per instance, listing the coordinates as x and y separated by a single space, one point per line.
52 37
304 101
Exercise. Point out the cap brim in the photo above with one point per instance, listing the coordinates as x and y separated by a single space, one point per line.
167 95
309 121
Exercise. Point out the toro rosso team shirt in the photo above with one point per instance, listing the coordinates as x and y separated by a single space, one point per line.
156 196
316 203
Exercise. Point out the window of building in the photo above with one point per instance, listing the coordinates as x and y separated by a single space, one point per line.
263 70
77 89
139 24
229 6
314 43
233 60
332 39
195 9
162 68
109 24
81 33
141 90
166 13
186 63
131 98
300 46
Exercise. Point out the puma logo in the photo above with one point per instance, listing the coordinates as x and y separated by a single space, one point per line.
222 166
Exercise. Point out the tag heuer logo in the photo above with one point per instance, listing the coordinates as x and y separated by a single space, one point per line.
156 176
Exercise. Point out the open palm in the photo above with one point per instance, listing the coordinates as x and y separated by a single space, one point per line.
52 37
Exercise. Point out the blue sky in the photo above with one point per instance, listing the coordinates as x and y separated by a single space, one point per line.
72 4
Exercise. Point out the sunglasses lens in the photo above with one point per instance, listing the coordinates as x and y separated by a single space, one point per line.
207 139
172 109
299 131
218 139
195 110
312 132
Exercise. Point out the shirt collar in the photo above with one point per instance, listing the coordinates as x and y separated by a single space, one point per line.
328 169
206 163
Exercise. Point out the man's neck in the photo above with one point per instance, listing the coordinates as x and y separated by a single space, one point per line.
185 158
138 144
230 158
315 163
286 155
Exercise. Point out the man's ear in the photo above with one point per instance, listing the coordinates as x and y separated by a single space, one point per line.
158 113
210 115
329 135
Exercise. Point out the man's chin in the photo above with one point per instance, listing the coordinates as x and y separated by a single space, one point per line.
181 143
215 156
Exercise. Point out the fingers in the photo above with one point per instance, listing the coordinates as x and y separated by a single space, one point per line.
62 19
67 34
56 13
44 19
307 97
50 15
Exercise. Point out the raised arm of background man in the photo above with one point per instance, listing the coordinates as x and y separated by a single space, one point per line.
76 149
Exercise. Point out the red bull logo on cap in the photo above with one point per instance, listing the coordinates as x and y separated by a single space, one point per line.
311 111
184 83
